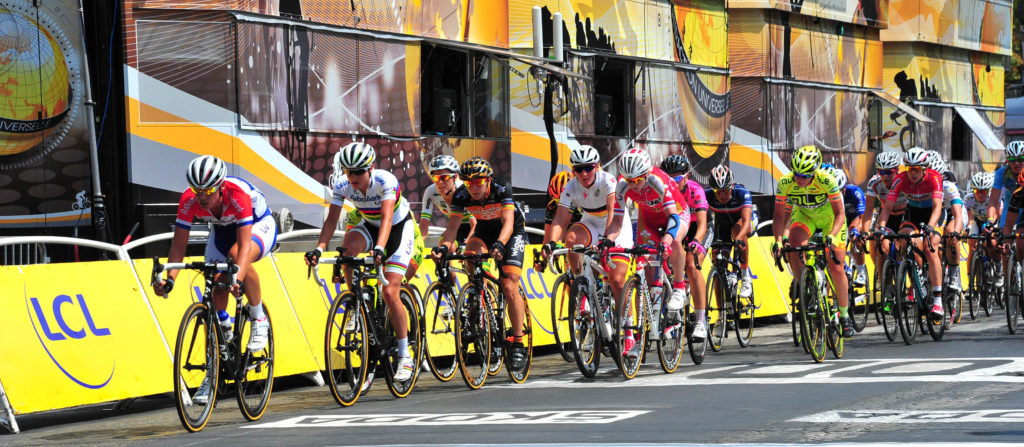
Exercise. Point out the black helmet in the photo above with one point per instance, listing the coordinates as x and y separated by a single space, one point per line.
675 165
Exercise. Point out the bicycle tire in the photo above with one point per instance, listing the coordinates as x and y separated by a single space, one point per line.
195 328
253 389
859 309
498 327
975 283
796 323
835 340
346 349
520 375
744 320
670 341
698 348
812 315
991 291
1013 291
717 290
907 312
630 321
392 357
583 327
473 336
887 307
561 325
439 331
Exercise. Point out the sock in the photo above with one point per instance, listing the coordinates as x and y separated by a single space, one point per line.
844 311
256 312
700 314
403 347
745 273
937 296
680 284
516 339
745 267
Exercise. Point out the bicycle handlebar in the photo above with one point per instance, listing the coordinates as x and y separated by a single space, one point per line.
341 260
818 246
228 266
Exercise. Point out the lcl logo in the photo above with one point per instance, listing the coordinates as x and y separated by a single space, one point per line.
60 331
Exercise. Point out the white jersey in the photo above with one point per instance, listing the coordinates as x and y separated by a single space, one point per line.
592 201
979 208
950 195
383 186
434 200
877 188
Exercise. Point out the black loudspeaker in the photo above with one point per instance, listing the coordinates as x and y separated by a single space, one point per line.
443 110
604 119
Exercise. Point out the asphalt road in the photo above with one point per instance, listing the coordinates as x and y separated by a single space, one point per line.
964 389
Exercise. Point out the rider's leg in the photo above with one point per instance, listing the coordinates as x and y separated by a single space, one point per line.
696 280
394 303
355 242
798 236
577 235
838 274
934 270
740 233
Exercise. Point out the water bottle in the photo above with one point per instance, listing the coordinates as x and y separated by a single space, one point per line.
608 321
731 279
225 323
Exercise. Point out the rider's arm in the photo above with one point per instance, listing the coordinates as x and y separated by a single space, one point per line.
836 200
508 218
779 222
178 245
558 225
702 225
936 211
958 222
869 204
428 211
994 197
610 206
618 212
454 221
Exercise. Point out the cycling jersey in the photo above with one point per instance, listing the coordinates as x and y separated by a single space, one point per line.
487 211
243 205
657 194
354 218
696 200
811 204
383 186
853 202
950 195
979 208
1006 181
433 199
593 202
725 215
1016 202
879 190
919 195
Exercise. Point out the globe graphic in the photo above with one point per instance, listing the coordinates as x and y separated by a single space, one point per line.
34 82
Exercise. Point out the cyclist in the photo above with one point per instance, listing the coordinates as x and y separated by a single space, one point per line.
735 218
952 218
663 213
887 166
697 238
444 172
500 229
809 200
242 228
923 188
555 187
387 231
591 190
853 206
1003 185
1013 211
977 206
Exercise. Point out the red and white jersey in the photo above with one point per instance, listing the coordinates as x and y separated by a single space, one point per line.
242 205
920 194
659 193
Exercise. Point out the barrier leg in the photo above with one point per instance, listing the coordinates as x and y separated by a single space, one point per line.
6 412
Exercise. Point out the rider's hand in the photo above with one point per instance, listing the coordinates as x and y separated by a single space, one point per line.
313 256
378 255
498 250
604 242
547 249
696 248
830 240
854 234
236 288
438 252
163 287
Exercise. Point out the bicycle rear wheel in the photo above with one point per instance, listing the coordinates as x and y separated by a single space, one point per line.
561 316
393 357
975 283
745 319
255 379
859 305
196 360
520 375
717 293
836 342
473 335
631 323
907 312
1013 291
812 315
584 335
346 350
698 348
670 333
439 331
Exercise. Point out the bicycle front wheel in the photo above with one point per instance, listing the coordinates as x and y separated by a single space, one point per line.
520 375
561 316
584 334
631 328
346 349
886 308
196 367
439 331
393 358
975 283
745 319
907 312
256 372
812 315
473 336
1013 291
670 334
717 293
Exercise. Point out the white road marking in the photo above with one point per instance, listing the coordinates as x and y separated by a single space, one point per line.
407 420
922 367
783 369
915 416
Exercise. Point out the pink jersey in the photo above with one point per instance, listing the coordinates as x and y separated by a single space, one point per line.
695 199
659 193
243 204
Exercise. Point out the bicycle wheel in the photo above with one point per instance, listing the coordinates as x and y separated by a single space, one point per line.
717 293
346 350
698 348
670 335
812 315
991 291
520 375
1013 291
956 306
256 375
196 360
835 340
906 309
858 296
744 319
584 335
439 331
393 357
794 313
887 306
630 323
561 316
975 283
473 335
498 328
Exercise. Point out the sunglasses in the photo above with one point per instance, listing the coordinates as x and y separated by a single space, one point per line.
718 190
205 192
678 178
886 171
583 168
636 180
355 171
477 182
804 176
1015 159
442 177
915 168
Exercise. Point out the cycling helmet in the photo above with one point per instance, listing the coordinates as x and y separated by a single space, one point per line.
635 163
839 175
355 155
982 180
443 163
675 165
937 164
721 177
806 160
1015 149
475 168
888 160
584 155
335 178
916 156
206 172
557 183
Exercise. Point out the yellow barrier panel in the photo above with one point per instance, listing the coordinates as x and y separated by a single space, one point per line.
310 301
77 334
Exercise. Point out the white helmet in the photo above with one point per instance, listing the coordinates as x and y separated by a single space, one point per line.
584 155
935 161
635 163
982 180
837 174
721 177
443 163
335 178
206 172
354 155
916 156
1015 149
888 160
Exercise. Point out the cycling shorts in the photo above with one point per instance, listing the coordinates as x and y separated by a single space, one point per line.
515 249
399 249
222 238
651 227
817 222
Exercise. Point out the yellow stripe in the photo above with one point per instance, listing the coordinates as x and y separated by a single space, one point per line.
748 157
202 140
85 218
